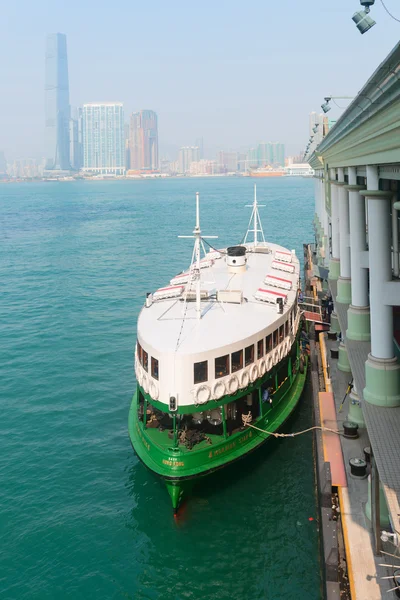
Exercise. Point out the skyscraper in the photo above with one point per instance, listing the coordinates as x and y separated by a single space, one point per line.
76 139
57 103
103 138
187 155
144 140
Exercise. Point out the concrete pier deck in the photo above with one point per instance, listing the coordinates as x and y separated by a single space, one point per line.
363 565
383 423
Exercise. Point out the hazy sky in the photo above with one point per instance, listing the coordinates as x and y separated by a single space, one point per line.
234 72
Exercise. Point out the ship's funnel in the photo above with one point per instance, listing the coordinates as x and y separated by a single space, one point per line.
236 259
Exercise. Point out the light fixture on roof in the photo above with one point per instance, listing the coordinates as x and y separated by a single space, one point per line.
325 106
362 19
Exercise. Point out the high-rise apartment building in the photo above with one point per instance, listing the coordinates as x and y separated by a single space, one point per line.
187 155
228 162
103 138
267 154
76 139
199 142
143 136
57 103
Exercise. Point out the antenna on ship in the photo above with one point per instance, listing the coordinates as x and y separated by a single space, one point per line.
255 221
195 266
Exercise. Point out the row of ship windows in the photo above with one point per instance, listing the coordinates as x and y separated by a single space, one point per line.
144 361
224 365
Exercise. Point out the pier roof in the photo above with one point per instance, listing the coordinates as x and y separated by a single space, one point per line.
368 130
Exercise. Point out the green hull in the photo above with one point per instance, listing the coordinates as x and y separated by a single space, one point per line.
181 467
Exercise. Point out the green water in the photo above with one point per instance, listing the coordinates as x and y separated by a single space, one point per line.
80 517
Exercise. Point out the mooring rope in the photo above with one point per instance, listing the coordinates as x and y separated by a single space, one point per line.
247 423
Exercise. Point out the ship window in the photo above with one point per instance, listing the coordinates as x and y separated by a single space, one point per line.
249 355
268 343
140 353
237 360
276 338
260 348
145 361
281 333
222 366
200 371
154 367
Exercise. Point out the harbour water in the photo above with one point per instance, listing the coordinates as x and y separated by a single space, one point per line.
80 516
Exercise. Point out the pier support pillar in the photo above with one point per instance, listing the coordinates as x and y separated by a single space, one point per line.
335 327
344 281
382 370
358 315
343 362
383 509
334 266
355 413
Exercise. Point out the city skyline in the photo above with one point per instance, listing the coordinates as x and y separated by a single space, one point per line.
251 75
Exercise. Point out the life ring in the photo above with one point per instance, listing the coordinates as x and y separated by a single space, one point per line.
145 384
154 390
276 356
262 367
233 385
218 390
281 351
244 379
202 394
288 345
270 361
253 373
139 375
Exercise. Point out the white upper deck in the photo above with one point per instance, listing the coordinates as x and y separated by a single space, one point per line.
171 325
225 303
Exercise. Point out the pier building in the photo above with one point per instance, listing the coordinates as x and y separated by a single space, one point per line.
357 205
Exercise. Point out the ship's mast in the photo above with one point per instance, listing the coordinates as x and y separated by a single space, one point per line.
255 211
195 266
197 238
255 221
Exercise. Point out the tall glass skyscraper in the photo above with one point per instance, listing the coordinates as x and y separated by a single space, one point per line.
144 140
57 103
103 138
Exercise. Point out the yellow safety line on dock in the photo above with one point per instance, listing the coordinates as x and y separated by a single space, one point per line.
347 545
328 385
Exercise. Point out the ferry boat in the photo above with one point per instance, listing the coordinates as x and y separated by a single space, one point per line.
218 359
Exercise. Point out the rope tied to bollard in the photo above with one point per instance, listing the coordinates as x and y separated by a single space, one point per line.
247 418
